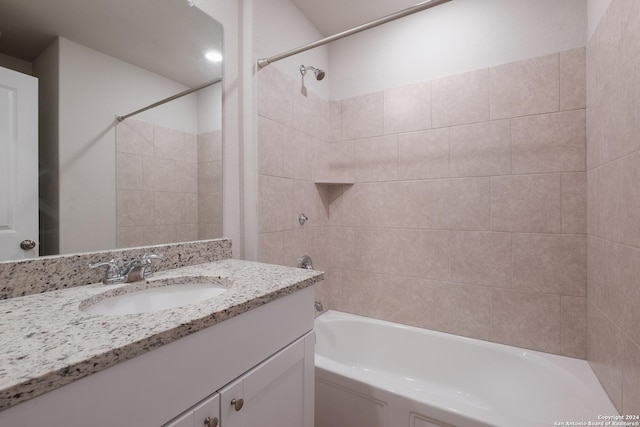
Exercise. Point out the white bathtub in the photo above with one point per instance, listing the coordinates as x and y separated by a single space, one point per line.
371 373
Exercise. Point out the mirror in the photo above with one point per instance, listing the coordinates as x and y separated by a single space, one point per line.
153 178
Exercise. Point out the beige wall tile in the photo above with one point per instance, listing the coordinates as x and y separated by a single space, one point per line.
275 95
423 254
631 191
158 174
455 204
190 147
407 108
362 116
186 232
342 244
191 207
209 176
423 155
606 273
631 379
130 236
462 309
134 137
168 143
310 114
367 205
481 258
270 147
336 162
334 127
135 208
377 159
481 149
210 145
210 230
385 297
573 336
574 203
550 263
613 127
526 87
210 208
298 153
275 203
460 99
128 171
605 350
549 142
375 250
159 234
573 85
170 208
186 177
526 319
313 201
529 203
301 242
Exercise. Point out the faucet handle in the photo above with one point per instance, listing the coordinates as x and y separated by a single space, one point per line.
147 262
114 271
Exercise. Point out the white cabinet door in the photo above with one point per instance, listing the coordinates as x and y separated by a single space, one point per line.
207 413
276 393
204 414
18 164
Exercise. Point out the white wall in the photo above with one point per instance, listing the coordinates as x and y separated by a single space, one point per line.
280 26
229 14
596 10
453 38
94 88
209 108
15 64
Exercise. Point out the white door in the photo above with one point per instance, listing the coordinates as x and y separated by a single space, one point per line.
18 165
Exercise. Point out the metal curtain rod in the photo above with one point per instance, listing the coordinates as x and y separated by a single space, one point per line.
171 98
406 12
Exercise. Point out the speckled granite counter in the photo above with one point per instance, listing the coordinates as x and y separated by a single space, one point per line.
47 341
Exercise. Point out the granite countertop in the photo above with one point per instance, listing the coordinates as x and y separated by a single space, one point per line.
47 341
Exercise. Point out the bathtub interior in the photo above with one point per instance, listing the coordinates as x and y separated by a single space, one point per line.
478 380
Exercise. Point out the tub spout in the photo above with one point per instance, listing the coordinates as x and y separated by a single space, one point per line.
318 306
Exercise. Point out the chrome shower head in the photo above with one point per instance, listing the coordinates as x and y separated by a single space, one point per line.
318 72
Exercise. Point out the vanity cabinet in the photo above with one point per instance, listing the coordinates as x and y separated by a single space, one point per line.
264 356
204 414
276 393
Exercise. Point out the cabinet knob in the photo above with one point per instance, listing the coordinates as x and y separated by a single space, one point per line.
237 404
209 422
27 245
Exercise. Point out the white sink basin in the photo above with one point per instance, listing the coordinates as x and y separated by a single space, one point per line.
156 295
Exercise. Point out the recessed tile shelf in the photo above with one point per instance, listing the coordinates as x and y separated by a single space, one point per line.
340 182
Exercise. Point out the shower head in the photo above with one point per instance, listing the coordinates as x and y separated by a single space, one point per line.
318 72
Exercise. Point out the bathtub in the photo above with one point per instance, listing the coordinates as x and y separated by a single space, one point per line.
371 373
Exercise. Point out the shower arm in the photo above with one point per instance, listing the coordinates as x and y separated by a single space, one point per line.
263 62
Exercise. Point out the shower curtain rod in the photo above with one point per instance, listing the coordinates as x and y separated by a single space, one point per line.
406 12
171 98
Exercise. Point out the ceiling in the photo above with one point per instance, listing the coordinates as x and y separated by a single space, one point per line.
144 33
334 16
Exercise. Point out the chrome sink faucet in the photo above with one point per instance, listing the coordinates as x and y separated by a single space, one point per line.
131 272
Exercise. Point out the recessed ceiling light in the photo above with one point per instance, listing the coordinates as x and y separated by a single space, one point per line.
213 56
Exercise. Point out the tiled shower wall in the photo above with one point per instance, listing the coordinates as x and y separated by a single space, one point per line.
467 212
613 162
168 185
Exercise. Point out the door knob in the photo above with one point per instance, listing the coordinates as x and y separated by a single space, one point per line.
27 245
237 404
211 422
